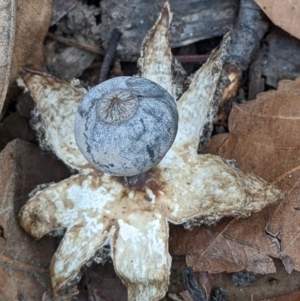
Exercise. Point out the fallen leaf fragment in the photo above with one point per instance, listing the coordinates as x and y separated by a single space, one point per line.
97 208
224 247
25 24
262 140
285 14
23 262
284 226
262 133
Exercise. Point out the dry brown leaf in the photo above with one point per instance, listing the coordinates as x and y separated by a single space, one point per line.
24 262
263 133
25 24
263 140
224 247
285 14
284 225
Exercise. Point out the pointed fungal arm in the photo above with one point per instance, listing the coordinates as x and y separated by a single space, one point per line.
140 255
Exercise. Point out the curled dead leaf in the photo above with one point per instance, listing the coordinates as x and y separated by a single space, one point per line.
25 25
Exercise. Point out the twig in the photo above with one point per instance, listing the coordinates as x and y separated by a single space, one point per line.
250 28
196 292
109 54
197 58
71 43
20 265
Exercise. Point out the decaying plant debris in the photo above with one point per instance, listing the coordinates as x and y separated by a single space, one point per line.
193 21
25 24
80 25
96 208
248 31
265 130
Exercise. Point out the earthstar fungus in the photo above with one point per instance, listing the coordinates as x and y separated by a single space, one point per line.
96 208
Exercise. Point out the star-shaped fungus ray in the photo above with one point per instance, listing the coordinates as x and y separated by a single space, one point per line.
97 208
54 116
138 244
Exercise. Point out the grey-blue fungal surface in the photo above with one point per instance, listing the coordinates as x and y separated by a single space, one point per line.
126 125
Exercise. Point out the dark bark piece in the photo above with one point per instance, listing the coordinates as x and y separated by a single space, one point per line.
281 57
256 82
192 21
249 29
247 34
109 54
24 262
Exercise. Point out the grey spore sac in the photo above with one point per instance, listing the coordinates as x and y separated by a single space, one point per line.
126 125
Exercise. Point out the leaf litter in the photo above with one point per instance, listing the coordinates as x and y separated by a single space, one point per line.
284 14
24 27
263 140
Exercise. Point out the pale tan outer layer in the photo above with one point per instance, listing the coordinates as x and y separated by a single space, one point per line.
96 208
